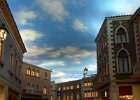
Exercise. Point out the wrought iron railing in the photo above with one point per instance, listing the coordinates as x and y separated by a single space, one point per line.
33 92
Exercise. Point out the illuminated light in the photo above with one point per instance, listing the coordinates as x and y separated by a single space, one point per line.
105 93
3 34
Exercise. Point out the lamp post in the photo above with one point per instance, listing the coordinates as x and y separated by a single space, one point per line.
3 35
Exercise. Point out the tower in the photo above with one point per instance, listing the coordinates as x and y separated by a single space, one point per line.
85 72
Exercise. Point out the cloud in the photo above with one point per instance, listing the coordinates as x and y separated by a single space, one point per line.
76 53
117 6
30 35
48 63
24 16
60 76
92 67
79 26
132 6
54 8
37 51
54 54
64 79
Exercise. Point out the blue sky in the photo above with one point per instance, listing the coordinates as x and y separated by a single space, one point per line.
60 34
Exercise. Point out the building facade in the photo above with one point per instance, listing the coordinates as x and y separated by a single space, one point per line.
87 90
11 55
81 89
36 82
135 21
69 90
116 55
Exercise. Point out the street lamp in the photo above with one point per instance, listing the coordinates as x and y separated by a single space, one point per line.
3 34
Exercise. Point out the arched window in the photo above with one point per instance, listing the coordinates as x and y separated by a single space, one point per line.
45 90
28 71
123 62
46 75
28 86
121 36
37 73
33 72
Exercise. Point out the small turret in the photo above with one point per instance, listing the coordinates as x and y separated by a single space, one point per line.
85 73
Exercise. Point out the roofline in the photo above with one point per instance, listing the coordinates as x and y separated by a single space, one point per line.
68 81
37 66
134 15
109 17
11 22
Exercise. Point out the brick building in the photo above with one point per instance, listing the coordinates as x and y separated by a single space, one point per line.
36 82
135 21
11 55
116 56
81 89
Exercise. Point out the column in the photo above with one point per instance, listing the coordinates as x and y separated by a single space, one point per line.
5 91
114 91
136 91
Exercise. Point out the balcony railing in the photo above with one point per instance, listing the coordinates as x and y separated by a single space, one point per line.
32 92
136 70
101 81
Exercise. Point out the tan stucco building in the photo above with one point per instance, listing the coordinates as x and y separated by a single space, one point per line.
11 55
36 82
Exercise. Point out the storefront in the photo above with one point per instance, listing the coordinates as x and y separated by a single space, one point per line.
125 93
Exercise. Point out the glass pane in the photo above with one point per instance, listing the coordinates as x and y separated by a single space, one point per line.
126 65
118 38
123 38
120 65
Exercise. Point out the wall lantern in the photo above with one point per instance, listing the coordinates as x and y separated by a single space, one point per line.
3 33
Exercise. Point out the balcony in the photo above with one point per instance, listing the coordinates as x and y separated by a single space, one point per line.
136 69
101 81
32 92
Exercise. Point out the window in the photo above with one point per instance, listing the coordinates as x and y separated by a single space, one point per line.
33 72
121 36
85 94
64 88
36 87
67 87
46 75
89 83
77 86
71 87
44 90
67 97
33 87
28 86
59 88
85 84
37 73
78 96
28 71
123 62
71 96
